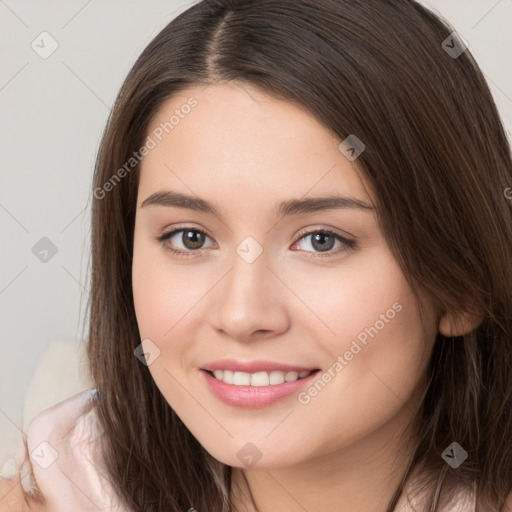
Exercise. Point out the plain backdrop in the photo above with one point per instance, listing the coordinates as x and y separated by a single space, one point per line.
53 111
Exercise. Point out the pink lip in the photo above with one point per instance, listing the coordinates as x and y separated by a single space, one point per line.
252 366
253 397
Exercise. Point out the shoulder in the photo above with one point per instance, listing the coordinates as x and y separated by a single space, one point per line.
454 498
452 495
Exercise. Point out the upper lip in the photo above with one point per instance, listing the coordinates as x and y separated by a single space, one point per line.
253 366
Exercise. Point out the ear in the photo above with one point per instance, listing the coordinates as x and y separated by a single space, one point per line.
456 323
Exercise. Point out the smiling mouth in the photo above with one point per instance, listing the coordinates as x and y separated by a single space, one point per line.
258 379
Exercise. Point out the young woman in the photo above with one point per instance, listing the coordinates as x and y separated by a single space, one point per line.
301 273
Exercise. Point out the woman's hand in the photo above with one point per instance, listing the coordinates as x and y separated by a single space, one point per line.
62 469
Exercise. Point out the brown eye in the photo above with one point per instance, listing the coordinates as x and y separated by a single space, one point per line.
191 240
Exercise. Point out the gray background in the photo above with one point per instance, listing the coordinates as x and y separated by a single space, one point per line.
53 113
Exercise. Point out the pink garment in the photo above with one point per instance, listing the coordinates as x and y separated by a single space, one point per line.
64 452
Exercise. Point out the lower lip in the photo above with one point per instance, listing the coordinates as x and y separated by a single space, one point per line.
252 397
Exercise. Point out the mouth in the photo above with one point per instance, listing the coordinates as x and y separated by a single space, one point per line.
259 379
256 390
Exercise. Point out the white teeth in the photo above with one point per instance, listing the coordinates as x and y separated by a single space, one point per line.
258 378
242 379
276 377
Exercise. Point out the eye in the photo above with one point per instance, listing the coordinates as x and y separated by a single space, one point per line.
191 238
324 240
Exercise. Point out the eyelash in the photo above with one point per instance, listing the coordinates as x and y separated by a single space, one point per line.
348 244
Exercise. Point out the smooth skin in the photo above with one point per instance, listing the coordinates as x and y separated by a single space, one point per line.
245 151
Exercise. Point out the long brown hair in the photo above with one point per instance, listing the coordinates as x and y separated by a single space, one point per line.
439 161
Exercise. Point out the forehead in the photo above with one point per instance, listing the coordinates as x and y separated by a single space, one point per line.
222 140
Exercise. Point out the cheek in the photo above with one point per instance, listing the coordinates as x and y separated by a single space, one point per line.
161 300
368 291
376 359
148 293
162 291
377 344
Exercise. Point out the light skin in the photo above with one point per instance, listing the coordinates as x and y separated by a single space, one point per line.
245 151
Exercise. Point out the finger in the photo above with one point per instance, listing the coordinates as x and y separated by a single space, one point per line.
67 412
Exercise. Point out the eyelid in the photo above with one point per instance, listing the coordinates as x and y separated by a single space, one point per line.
308 230
185 227
304 231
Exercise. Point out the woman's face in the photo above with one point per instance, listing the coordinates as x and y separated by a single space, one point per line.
262 294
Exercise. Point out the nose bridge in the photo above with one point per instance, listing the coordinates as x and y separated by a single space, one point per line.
248 301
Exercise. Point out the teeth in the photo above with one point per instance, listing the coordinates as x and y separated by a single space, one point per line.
291 376
277 377
242 379
258 378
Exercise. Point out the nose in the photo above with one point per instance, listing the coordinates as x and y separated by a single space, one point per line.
251 301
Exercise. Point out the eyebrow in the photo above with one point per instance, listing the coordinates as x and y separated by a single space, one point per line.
284 208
